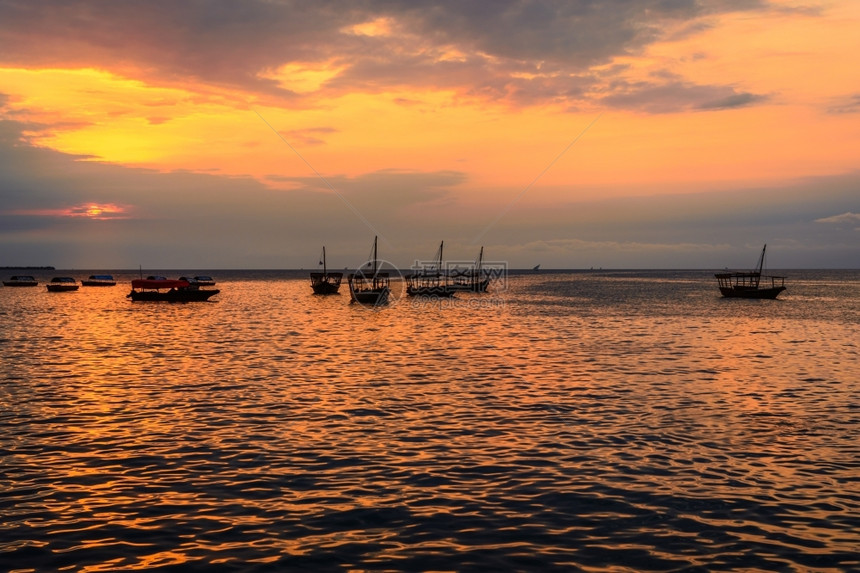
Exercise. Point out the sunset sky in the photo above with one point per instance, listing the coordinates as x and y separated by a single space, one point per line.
571 134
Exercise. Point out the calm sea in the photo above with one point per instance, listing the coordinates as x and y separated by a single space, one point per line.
613 421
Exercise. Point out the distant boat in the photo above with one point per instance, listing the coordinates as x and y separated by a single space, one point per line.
473 279
325 282
199 280
750 284
62 284
21 281
536 268
431 281
204 280
370 286
161 289
99 280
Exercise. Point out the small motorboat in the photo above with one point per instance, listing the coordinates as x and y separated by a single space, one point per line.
62 284
204 280
99 280
21 281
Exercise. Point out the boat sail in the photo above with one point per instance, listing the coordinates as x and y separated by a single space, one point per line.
750 284
430 281
325 282
369 287
474 279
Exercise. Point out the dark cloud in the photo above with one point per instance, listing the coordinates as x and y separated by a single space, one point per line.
670 94
522 51
743 99
847 104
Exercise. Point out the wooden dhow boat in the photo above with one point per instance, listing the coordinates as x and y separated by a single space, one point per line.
473 279
369 287
325 282
430 281
750 284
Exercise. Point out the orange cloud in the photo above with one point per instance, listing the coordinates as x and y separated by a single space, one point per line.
95 211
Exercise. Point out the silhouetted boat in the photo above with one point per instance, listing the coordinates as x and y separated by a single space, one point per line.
21 281
750 284
167 290
325 282
473 280
199 280
99 280
430 281
369 286
62 284
536 268
204 280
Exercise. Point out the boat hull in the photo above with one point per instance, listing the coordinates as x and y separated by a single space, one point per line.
371 297
758 293
179 295
322 283
20 283
98 283
62 288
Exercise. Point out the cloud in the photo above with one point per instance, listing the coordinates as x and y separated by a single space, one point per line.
847 104
844 218
676 95
512 50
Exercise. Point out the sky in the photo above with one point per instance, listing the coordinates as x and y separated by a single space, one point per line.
571 134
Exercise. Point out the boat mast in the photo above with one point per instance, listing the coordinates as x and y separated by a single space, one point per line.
439 262
761 259
374 256
325 271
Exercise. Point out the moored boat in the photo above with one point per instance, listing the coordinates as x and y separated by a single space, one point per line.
62 284
99 280
204 280
21 281
430 280
168 290
471 279
369 287
750 284
325 282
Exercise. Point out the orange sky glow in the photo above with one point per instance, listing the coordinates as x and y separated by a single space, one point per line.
719 101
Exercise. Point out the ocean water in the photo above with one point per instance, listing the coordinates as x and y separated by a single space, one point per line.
605 421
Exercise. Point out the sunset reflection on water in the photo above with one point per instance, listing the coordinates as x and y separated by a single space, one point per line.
570 421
